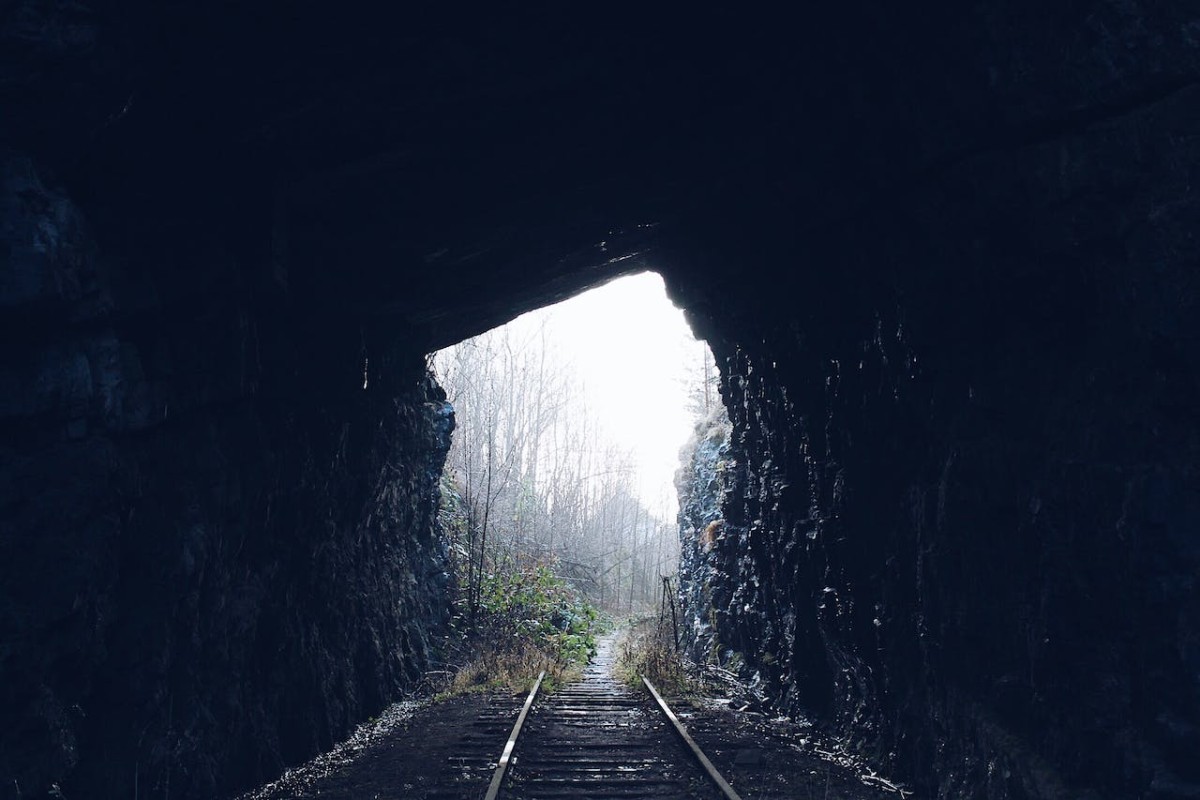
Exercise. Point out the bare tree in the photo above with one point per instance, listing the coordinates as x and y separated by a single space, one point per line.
538 479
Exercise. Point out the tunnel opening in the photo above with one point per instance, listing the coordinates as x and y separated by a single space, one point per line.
569 426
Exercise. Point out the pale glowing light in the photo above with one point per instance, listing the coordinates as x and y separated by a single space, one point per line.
637 358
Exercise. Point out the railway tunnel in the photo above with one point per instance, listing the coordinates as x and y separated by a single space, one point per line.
945 261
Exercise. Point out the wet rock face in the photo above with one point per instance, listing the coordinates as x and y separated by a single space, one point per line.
705 588
962 503
207 575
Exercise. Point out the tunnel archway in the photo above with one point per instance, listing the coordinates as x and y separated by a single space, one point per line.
569 422
947 269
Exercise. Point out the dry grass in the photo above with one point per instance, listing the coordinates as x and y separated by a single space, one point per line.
646 650
514 670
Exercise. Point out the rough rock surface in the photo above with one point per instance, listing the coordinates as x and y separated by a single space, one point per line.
946 257
208 573
704 588
963 497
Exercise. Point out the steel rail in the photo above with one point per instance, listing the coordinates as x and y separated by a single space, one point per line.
506 757
691 743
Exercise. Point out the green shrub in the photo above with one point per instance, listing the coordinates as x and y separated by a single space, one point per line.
527 620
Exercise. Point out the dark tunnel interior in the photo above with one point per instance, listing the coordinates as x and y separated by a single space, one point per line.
946 259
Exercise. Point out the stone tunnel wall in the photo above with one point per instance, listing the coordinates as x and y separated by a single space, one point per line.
962 482
219 550
947 259
704 583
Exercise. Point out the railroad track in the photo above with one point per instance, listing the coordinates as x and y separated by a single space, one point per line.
474 759
597 738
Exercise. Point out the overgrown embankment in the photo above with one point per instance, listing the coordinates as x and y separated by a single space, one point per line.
514 615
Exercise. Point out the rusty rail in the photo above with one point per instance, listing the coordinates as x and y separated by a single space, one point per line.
712 772
506 757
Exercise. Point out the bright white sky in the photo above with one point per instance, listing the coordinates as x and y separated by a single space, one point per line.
636 355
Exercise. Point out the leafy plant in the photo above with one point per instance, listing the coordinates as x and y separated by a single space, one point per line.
527 619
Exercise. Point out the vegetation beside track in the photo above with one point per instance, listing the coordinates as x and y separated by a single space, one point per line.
646 648
525 620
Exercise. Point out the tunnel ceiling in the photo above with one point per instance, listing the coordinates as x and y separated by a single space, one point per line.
389 153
